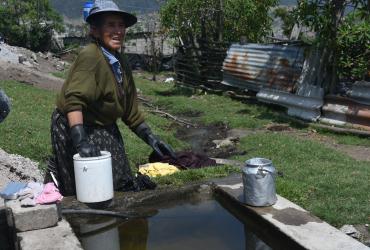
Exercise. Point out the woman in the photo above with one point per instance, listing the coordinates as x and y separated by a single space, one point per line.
99 90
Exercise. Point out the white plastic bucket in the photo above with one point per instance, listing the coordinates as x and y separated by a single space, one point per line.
94 178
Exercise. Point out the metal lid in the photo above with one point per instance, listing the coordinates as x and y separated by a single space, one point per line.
104 155
258 162
104 6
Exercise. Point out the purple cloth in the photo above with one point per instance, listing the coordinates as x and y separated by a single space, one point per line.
185 160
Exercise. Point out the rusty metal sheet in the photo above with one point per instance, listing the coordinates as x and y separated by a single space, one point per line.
360 92
304 107
341 111
256 66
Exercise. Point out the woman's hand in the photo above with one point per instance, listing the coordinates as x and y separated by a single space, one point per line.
160 148
78 135
80 142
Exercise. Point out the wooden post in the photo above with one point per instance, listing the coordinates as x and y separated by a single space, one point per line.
221 21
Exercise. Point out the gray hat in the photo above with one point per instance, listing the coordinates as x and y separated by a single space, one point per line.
104 6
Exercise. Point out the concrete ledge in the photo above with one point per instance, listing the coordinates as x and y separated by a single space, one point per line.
59 237
33 218
287 218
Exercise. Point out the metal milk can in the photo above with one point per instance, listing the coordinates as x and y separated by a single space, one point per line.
259 182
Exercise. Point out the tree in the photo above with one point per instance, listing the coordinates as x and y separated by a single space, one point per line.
29 23
217 20
328 19
205 28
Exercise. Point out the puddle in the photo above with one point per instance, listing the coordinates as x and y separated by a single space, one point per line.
200 225
201 141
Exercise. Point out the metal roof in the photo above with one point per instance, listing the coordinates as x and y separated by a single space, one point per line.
256 66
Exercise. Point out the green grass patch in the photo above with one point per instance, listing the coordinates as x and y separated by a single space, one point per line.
324 181
347 139
26 131
193 175
215 108
60 74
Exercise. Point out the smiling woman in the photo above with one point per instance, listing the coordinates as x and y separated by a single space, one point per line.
111 32
99 90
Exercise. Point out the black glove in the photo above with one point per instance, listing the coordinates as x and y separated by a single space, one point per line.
159 147
4 106
79 139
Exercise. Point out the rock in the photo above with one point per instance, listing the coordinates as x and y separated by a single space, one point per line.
351 231
34 57
49 55
33 218
17 168
169 80
59 237
59 66
22 59
230 141
2 203
27 63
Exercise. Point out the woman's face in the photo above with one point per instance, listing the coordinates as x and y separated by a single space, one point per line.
111 32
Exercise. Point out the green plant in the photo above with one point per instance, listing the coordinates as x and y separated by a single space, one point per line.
29 23
326 19
214 19
354 47
288 19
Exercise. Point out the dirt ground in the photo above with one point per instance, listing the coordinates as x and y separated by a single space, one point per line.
17 168
25 66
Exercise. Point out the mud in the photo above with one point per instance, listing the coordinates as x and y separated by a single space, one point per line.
201 140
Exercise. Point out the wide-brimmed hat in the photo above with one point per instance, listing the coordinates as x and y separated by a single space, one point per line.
108 6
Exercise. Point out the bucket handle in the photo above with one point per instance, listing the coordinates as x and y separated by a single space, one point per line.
262 172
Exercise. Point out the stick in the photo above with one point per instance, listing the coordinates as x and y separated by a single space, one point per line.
172 117
165 114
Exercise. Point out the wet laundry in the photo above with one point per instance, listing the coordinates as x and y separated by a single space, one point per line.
28 195
186 160
157 169
32 193
50 194
11 191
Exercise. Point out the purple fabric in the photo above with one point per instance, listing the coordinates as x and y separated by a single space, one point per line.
185 160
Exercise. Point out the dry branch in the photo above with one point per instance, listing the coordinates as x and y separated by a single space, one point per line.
156 110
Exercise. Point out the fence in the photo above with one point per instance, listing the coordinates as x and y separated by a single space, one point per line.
200 65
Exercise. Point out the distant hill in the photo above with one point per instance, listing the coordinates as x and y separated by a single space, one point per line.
73 8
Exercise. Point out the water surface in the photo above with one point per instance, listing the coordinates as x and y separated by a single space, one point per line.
195 226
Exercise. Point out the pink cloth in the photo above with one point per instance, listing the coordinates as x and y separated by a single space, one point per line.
50 194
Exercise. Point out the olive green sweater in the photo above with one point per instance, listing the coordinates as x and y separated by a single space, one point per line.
92 88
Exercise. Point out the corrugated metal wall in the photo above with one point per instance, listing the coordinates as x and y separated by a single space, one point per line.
256 66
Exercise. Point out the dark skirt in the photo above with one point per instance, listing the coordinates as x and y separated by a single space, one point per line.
106 138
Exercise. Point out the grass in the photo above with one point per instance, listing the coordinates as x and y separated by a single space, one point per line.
215 108
330 184
60 74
